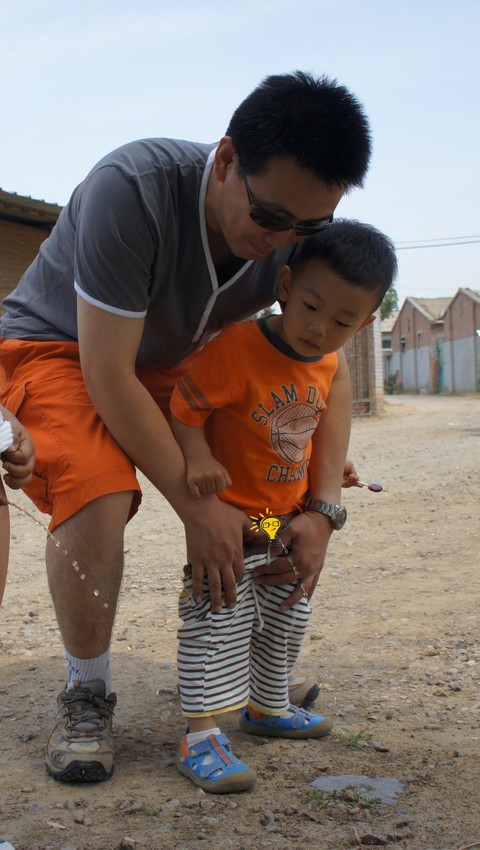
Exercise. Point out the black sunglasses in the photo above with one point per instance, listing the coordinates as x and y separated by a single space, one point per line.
270 221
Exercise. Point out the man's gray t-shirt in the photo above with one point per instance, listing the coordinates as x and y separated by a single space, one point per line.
133 241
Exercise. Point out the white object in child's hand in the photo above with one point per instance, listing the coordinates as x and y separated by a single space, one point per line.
5 845
6 440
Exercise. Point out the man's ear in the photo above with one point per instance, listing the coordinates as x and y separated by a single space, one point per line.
225 155
284 283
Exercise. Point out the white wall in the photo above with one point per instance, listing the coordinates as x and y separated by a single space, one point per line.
461 365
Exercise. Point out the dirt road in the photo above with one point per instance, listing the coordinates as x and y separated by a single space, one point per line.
394 642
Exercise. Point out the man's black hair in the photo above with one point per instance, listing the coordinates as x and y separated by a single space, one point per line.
356 252
312 120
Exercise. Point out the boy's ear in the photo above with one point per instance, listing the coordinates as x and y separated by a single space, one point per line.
365 323
284 284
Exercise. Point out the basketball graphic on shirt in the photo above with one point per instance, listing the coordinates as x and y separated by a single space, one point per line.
291 429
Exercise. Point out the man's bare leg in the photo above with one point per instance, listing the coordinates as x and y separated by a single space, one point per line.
84 575
91 545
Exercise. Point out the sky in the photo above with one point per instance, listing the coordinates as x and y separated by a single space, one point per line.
81 77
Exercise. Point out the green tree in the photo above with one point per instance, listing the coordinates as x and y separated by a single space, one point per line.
389 303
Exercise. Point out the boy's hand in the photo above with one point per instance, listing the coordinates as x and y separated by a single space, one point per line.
350 476
207 477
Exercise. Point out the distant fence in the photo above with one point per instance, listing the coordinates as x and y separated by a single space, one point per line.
360 361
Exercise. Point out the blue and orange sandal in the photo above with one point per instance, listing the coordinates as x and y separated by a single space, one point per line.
212 765
298 724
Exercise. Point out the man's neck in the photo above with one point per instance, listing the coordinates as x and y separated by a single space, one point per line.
219 250
226 264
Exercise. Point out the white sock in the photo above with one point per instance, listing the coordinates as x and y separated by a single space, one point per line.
83 670
196 737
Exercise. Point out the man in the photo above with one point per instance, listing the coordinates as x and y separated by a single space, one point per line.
163 244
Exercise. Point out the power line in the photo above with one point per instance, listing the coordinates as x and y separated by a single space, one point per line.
413 247
441 239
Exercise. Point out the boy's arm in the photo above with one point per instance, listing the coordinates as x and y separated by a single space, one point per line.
205 475
308 535
18 459
330 440
4 539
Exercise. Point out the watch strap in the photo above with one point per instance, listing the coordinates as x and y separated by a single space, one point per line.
336 513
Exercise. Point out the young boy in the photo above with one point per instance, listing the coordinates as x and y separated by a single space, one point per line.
18 456
257 393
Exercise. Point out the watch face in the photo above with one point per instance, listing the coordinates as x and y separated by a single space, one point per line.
340 518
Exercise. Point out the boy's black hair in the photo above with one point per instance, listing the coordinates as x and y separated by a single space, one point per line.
357 252
313 120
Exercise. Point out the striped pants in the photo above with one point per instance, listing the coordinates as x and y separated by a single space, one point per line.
242 654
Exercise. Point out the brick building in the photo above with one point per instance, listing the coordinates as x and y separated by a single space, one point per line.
417 341
435 344
387 328
24 224
461 346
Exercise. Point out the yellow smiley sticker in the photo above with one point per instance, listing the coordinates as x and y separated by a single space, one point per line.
268 523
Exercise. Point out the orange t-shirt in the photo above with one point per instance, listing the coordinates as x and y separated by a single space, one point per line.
260 403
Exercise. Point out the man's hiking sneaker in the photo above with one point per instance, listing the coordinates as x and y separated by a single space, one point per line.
295 723
80 748
302 692
212 765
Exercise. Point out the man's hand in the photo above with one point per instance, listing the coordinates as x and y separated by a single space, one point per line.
306 537
214 537
19 460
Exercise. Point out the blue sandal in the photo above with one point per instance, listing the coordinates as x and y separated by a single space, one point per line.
298 724
212 765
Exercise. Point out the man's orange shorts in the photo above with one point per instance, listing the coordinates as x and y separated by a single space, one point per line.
77 460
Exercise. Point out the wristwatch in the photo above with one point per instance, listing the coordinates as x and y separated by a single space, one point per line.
337 514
